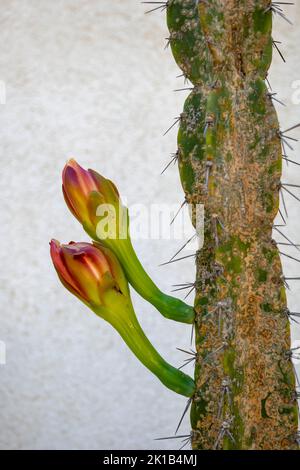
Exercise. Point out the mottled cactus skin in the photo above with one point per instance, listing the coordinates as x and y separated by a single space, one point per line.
230 160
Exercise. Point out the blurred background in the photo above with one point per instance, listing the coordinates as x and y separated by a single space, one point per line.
91 79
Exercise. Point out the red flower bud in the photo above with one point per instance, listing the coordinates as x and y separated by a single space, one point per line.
88 270
84 191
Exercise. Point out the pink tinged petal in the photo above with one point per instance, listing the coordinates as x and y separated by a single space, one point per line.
73 194
115 268
62 271
87 265
83 177
98 263
71 206
83 277
87 270
78 184
89 255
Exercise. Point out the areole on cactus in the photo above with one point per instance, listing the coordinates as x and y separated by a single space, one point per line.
94 274
95 202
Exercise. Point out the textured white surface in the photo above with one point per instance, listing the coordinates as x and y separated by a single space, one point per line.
91 79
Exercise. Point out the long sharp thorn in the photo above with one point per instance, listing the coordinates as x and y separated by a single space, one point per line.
183 89
284 236
275 8
189 293
294 314
188 284
281 215
284 206
285 142
186 442
178 259
183 247
291 128
184 413
291 185
186 362
171 437
278 12
173 160
180 289
283 146
192 333
161 6
166 167
287 244
272 97
278 101
268 82
289 138
172 221
190 353
291 161
289 256
290 192
278 50
174 124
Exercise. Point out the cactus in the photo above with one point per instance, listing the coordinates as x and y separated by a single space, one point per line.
230 160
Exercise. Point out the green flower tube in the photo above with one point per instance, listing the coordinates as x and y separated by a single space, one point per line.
94 275
95 202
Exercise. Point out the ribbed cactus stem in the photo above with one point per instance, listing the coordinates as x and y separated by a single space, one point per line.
230 160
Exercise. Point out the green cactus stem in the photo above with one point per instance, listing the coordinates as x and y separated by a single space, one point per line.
135 338
230 160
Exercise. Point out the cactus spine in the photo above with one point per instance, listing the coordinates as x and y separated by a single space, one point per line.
230 160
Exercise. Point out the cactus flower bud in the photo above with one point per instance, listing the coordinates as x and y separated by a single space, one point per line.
92 198
94 274
95 202
87 271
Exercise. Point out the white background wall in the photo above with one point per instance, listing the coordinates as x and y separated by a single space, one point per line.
91 79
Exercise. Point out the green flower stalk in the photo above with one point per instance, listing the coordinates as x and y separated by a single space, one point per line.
94 274
95 202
